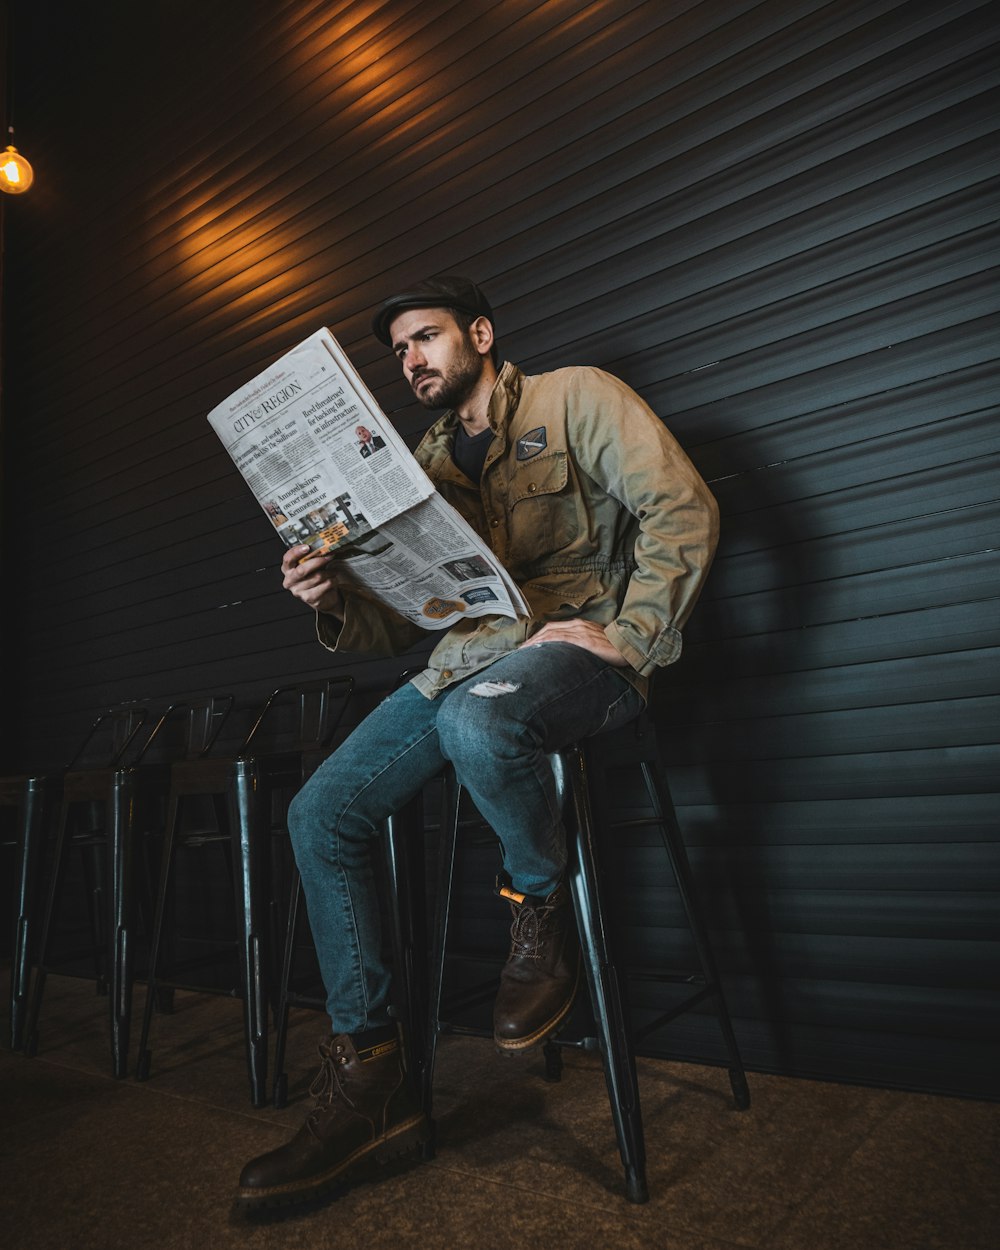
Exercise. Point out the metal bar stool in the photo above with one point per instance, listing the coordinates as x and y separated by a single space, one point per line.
241 786
573 768
132 794
233 785
92 805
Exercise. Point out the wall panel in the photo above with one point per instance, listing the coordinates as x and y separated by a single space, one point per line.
777 220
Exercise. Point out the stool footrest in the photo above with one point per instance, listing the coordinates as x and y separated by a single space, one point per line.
295 999
577 1043
665 1017
463 1030
667 978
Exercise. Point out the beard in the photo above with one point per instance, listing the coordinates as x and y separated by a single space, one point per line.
450 387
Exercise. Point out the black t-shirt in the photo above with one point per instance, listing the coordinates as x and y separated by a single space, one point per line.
469 451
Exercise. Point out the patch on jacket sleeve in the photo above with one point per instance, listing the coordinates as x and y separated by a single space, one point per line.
531 443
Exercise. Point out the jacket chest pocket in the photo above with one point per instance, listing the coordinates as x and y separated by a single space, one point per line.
541 510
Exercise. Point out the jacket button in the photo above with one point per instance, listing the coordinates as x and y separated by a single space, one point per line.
446 673
494 523
532 488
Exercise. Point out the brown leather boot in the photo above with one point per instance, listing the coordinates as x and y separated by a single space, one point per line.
363 1109
542 973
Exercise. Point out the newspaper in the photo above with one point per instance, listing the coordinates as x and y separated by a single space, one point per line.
330 471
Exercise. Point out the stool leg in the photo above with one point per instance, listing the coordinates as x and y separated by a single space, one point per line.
552 1053
32 838
279 1094
249 828
406 854
602 978
38 980
121 805
162 890
674 843
450 799
406 880
96 875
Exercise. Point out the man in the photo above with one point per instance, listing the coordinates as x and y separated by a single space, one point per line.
368 443
609 531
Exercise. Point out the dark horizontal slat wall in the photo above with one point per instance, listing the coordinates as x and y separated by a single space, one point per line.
778 221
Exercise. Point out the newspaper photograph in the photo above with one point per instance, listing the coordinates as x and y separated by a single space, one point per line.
329 470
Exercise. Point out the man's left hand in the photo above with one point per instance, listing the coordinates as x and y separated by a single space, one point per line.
586 634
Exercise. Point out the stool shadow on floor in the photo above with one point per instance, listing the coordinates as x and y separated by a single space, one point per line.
505 1113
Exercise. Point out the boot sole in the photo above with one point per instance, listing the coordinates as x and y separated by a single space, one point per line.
401 1139
514 1045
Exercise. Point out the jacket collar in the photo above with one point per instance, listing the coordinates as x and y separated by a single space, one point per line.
505 398
434 449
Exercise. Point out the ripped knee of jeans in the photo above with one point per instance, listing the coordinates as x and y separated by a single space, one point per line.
494 689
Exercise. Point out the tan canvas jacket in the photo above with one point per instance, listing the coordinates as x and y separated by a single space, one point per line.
592 506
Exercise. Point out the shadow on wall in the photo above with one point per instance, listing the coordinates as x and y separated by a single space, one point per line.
731 786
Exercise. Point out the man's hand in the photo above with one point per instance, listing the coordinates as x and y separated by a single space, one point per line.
586 634
312 581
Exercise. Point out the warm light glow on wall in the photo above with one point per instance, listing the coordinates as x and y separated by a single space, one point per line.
16 175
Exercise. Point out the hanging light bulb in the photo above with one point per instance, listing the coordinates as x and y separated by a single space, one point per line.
16 174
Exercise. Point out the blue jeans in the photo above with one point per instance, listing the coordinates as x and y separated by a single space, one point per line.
496 728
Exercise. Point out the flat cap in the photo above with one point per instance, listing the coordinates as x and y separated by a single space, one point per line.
448 291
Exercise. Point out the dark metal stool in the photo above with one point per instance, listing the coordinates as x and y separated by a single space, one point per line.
269 757
96 812
126 798
635 744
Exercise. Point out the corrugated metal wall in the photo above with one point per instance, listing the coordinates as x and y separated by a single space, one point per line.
775 220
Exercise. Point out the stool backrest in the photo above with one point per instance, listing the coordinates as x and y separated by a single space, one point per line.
108 739
204 718
319 705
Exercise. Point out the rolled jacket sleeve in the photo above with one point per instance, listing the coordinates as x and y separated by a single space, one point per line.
368 627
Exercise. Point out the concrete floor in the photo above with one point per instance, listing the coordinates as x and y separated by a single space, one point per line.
91 1163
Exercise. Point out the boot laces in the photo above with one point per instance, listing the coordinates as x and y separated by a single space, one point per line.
529 930
327 1086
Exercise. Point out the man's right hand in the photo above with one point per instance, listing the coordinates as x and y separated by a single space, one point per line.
312 581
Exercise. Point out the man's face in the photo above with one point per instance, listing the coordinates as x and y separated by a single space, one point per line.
364 435
439 359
